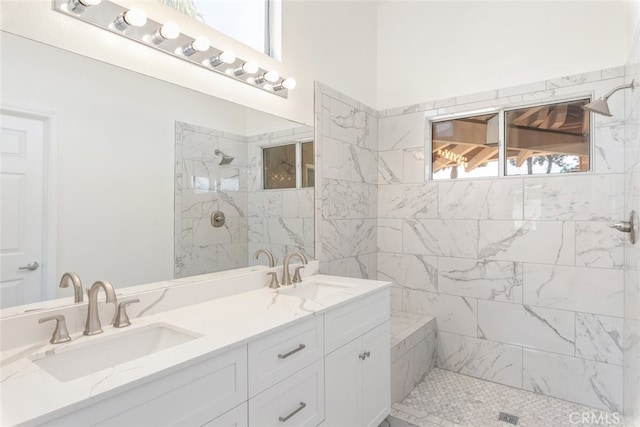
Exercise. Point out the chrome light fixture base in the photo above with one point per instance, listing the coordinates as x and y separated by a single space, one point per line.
104 13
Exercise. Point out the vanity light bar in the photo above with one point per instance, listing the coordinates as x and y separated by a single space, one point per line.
166 37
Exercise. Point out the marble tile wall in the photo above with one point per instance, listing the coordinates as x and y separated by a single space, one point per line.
203 186
413 351
632 252
347 193
281 221
523 274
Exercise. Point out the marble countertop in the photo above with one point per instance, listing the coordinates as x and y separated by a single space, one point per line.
28 394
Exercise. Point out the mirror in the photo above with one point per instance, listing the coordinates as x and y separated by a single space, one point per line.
131 177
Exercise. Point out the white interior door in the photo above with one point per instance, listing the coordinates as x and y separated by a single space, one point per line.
22 163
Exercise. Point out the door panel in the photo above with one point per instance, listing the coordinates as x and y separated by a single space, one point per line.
343 386
376 378
21 209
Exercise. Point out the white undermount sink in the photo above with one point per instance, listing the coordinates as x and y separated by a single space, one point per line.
104 352
313 290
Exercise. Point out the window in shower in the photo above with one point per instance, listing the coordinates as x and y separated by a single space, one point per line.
289 166
465 147
549 138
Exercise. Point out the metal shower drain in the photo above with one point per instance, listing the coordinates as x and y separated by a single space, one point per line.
508 418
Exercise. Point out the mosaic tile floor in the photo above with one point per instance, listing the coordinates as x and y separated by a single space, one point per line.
446 398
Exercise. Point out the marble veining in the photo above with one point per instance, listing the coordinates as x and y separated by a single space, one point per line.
481 358
549 242
590 383
599 338
566 288
418 272
492 280
487 199
454 238
408 201
534 327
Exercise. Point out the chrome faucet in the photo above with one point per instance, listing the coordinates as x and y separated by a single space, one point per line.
286 278
272 262
93 325
77 284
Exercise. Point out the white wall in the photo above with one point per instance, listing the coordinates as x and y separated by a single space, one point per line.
314 48
438 49
385 55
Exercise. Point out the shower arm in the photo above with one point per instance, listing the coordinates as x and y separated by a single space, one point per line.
615 89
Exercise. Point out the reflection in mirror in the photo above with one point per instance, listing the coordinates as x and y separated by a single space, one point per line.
106 173
208 183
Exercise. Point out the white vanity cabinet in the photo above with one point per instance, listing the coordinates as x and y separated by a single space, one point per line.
357 373
330 367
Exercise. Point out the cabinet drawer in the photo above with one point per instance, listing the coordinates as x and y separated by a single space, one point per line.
348 322
296 401
237 417
278 355
191 396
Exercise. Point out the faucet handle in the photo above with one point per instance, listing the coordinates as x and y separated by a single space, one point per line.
60 333
122 318
296 275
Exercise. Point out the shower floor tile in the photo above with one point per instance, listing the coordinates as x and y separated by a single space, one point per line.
446 398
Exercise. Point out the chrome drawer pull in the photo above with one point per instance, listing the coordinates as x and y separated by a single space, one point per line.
364 355
284 356
300 408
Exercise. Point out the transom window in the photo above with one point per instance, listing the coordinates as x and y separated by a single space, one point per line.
255 23
542 139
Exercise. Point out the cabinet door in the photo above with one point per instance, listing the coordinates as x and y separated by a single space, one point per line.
376 381
237 417
343 386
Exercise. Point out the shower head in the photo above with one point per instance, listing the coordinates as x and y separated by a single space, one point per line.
601 106
225 159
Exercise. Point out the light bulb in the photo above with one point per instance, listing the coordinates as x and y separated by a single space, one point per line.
227 57
247 68
271 76
134 17
79 6
168 31
289 83
250 67
200 44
